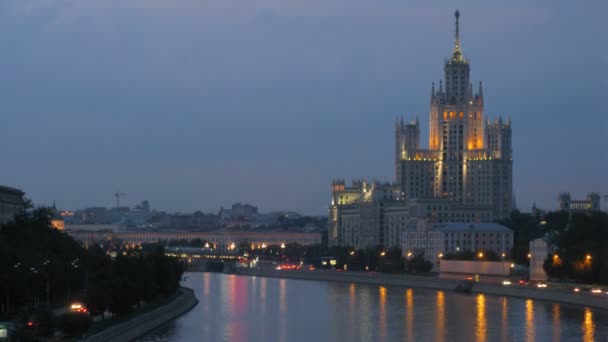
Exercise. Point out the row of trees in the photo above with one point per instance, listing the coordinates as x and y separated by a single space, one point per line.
133 277
39 266
578 241
42 268
581 246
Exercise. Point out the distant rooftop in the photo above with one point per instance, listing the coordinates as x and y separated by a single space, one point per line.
9 189
468 226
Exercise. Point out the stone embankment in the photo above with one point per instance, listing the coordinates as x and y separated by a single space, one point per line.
557 295
146 322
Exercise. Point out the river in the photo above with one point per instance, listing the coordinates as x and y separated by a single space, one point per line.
241 308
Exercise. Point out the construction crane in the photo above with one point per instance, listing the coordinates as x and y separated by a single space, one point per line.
118 195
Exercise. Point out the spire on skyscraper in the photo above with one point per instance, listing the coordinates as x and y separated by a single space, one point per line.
457 56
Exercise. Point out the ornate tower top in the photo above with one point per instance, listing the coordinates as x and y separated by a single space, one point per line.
457 55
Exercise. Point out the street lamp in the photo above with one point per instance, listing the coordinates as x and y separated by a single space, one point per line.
480 255
283 246
588 257
352 253
383 253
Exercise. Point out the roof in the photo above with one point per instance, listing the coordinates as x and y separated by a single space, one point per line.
469 226
9 189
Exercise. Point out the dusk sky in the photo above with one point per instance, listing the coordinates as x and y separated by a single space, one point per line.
195 104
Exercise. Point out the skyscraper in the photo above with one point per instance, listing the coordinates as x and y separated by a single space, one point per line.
465 175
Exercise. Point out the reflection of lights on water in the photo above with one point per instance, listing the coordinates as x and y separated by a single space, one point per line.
588 326
556 322
409 316
530 320
505 318
481 331
440 316
382 316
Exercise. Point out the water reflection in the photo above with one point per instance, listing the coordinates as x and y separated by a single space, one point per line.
530 320
265 309
282 310
409 314
481 332
440 316
556 322
588 326
382 309
504 318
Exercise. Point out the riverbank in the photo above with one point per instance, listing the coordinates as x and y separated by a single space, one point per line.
556 295
141 324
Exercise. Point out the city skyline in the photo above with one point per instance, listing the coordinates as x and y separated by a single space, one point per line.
291 97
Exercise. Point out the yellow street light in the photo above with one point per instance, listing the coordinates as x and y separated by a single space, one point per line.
440 255
383 253
480 255
283 245
409 254
503 255
588 257
352 252
529 255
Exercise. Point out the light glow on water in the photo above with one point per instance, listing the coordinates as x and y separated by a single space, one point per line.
481 332
237 308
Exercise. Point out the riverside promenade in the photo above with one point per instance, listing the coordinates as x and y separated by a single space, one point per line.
141 324
556 295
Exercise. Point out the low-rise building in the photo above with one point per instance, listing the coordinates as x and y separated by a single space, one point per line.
221 240
436 240
591 203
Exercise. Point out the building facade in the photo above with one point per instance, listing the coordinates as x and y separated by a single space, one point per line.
436 240
591 203
11 202
465 174
222 240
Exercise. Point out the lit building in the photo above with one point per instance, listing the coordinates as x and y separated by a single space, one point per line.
436 240
221 240
591 203
465 175
58 222
539 250
11 202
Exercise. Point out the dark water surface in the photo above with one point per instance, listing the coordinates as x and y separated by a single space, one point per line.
240 308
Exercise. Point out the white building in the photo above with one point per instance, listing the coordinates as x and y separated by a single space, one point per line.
539 250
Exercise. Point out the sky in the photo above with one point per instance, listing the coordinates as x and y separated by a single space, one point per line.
197 104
